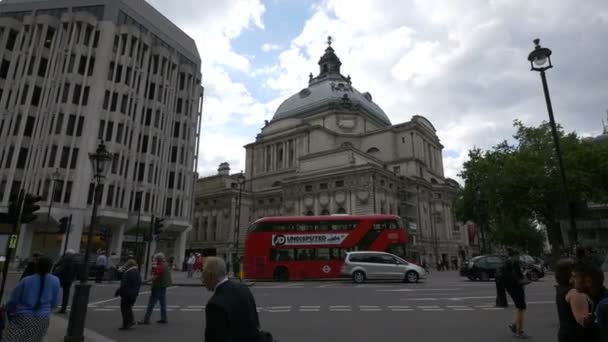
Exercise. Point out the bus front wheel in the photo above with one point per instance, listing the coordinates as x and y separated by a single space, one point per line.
281 274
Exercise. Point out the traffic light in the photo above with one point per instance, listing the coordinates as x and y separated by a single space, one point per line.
30 206
13 210
158 228
63 224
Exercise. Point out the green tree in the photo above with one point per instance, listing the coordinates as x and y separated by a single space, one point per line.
512 190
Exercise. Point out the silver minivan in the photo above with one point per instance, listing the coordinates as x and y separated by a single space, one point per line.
362 266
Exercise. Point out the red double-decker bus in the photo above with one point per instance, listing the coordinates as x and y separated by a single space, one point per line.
313 247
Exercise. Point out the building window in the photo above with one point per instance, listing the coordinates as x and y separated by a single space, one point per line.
68 193
340 184
59 123
79 127
168 206
109 131
22 158
74 160
29 126
52 156
397 170
323 186
110 197
308 188
91 193
65 153
76 95
17 125
71 125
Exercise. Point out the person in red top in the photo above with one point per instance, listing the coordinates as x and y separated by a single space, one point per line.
198 263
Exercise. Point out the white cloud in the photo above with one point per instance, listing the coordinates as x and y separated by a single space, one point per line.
462 64
268 47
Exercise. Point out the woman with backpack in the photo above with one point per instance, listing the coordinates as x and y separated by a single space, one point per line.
31 303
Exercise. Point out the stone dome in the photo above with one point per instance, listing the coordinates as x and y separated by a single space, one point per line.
330 89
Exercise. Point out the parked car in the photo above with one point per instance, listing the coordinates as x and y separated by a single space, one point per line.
482 267
362 266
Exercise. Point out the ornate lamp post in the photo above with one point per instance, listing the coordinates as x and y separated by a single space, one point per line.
237 217
101 161
540 60
56 177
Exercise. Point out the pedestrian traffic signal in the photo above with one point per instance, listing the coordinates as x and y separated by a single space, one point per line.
63 224
158 228
30 206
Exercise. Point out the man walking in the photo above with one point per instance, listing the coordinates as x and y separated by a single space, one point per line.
161 279
514 282
190 265
231 312
66 270
100 264
128 292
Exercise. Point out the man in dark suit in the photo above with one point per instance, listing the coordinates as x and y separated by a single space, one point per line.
66 270
128 292
231 312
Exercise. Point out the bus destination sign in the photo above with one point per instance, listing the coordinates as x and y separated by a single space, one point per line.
308 239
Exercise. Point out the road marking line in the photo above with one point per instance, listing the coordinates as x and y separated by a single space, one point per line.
340 310
278 310
464 298
310 307
398 306
421 299
456 306
433 309
173 306
543 302
402 309
310 310
340 306
428 307
371 310
191 310
492 309
104 310
368 306
463 309
280 307
196 306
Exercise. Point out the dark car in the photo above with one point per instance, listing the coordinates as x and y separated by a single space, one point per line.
482 267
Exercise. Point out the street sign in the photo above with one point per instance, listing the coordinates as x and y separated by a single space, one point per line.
12 241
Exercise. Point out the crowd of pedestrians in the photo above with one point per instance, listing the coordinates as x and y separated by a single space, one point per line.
580 296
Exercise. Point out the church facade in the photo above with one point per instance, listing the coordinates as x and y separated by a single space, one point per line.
330 149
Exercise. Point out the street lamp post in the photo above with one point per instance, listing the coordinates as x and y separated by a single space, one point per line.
56 176
237 217
540 60
101 161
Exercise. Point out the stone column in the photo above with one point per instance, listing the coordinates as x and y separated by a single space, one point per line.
118 235
179 251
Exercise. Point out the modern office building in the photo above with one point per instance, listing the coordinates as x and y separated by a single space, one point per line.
330 149
74 73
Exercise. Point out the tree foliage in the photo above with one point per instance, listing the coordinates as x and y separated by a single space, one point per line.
512 189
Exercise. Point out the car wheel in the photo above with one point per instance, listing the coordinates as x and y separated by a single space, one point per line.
359 277
533 276
484 276
281 274
412 277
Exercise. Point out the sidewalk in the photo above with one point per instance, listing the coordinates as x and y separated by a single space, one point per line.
59 326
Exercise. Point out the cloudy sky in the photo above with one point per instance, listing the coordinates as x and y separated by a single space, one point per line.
462 64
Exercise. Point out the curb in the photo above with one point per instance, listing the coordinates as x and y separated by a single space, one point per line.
58 327
247 283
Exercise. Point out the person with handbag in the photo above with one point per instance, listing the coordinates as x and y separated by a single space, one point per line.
231 313
514 282
31 303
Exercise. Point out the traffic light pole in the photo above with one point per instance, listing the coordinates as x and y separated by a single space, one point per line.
149 247
9 248
67 234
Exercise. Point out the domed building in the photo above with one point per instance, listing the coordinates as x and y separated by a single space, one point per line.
330 149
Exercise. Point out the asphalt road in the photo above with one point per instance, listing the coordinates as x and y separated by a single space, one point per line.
443 308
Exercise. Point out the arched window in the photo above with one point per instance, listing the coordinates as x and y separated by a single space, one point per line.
341 211
325 212
373 150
